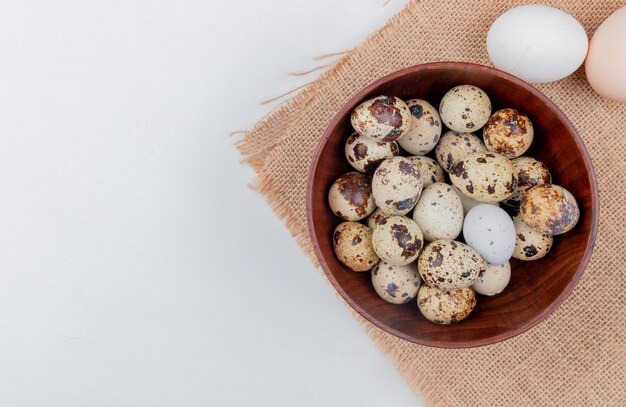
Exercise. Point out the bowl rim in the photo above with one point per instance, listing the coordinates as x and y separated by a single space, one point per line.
470 343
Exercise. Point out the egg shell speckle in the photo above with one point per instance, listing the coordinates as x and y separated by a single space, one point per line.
490 231
508 132
425 128
445 307
396 284
454 145
396 186
530 244
448 264
365 153
429 169
353 246
350 197
484 177
549 209
439 212
530 172
398 240
494 280
384 118
465 108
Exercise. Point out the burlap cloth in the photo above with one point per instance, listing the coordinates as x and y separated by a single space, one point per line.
577 357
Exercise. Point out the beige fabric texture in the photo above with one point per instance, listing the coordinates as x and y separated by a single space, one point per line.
577 357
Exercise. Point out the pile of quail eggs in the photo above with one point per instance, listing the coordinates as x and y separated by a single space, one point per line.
412 218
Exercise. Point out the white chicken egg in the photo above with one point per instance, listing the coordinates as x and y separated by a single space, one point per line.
537 43
490 231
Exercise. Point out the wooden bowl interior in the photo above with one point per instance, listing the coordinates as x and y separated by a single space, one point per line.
536 288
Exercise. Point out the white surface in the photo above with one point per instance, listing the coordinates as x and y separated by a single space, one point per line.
136 266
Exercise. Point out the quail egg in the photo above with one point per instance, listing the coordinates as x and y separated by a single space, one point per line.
424 130
495 279
365 153
484 177
384 118
490 231
375 218
454 145
439 212
396 186
429 170
549 209
508 132
530 172
397 240
447 265
465 108
530 244
396 284
445 307
468 203
353 246
350 197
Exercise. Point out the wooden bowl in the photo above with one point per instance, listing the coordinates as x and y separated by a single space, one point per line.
537 287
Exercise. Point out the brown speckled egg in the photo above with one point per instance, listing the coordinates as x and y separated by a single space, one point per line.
454 145
430 171
350 197
353 246
424 130
375 219
384 118
508 132
484 177
396 186
439 212
530 244
494 280
365 153
530 172
445 307
448 264
465 108
396 284
549 209
398 240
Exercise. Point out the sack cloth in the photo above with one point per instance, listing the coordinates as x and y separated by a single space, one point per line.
577 357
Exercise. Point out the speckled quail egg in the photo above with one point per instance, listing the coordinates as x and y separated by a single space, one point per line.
508 132
375 218
495 279
439 212
396 284
445 307
530 244
490 231
454 145
429 170
549 209
353 246
396 186
384 118
424 130
398 240
365 153
448 264
465 108
484 177
530 172
468 203
350 197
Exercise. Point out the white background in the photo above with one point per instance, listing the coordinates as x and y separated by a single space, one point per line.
136 267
